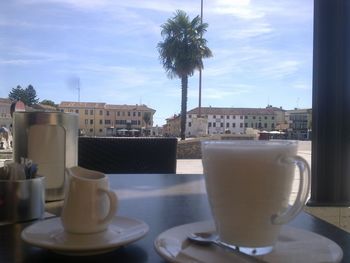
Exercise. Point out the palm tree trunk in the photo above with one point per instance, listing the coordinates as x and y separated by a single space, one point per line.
184 87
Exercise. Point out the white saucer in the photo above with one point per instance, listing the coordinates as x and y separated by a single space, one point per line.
293 245
50 234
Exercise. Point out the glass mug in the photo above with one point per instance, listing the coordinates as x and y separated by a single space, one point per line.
248 185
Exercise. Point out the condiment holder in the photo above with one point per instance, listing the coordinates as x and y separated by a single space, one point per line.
22 193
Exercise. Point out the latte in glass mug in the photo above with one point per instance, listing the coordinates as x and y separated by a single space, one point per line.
248 185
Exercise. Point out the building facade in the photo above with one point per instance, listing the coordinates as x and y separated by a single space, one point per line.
233 120
101 119
172 126
5 113
300 123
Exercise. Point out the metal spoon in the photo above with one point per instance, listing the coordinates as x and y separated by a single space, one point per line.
210 238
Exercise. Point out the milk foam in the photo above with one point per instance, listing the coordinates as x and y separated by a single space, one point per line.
247 185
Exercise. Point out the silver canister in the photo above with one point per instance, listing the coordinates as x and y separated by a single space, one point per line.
50 139
22 200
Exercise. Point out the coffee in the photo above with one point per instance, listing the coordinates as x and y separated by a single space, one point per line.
248 185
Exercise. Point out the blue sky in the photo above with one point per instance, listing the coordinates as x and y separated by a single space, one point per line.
262 52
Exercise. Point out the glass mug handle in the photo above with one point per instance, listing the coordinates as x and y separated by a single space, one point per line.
113 205
303 191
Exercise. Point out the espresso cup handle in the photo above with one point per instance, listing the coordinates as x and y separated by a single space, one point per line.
113 205
303 191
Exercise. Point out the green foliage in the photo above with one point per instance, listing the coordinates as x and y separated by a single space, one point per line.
27 96
48 102
183 47
147 118
182 51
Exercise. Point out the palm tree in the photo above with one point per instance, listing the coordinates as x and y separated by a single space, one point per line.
182 52
147 119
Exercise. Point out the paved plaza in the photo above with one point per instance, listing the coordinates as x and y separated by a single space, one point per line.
194 166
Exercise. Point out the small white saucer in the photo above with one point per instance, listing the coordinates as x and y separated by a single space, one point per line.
293 245
50 234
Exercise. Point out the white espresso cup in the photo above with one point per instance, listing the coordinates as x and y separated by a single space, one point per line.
89 206
249 185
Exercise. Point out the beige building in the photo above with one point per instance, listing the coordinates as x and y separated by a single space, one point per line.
172 126
220 120
234 120
101 119
5 113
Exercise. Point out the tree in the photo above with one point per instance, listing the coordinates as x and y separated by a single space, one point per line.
182 51
48 102
147 119
27 96
16 93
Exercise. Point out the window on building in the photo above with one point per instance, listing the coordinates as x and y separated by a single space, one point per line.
265 125
91 130
272 118
233 125
259 125
189 124
91 112
228 117
209 124
101 122
107 113
91 121
138 122
214 124
86 121
265 117
227 125
100 130
107 121
101 112
118 113
222 116
272 125
246 125
86 112
241 125
139 114
246 117
252 125
189 116
241 117
214 116
76 111
221 124
254 117
234 117
134 114
129 114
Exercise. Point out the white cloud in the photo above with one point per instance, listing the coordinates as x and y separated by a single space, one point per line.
17 62
239 8
280 69
214 92
302 86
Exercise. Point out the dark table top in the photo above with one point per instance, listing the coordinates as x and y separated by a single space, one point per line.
162 201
